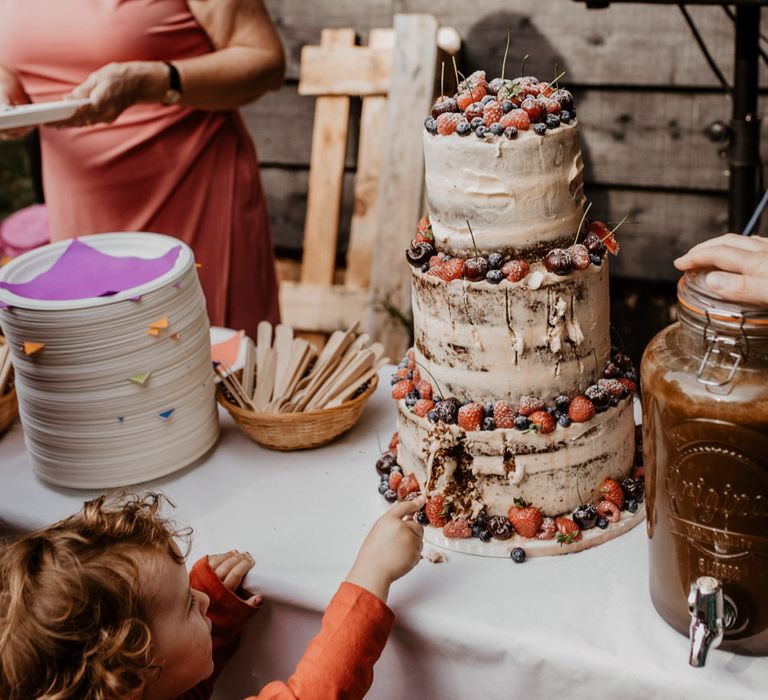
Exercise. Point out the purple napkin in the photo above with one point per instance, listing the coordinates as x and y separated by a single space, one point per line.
81 272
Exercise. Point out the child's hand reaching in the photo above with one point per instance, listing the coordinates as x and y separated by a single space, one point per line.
391 549
231 568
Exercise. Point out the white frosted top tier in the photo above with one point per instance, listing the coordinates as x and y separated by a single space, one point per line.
519 195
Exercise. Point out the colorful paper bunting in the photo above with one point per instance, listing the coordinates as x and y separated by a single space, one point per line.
159 325
140 378
165 415
32 348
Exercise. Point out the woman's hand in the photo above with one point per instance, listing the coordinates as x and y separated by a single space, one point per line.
231 568
115 87
12 93
391 549
739 266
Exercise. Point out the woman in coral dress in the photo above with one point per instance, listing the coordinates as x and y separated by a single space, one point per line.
162 147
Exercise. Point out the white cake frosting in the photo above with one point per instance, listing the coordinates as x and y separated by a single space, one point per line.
516 194
483 341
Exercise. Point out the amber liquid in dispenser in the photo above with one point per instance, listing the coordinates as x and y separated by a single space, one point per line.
706 460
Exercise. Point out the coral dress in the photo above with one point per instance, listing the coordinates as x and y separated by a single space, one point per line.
189 173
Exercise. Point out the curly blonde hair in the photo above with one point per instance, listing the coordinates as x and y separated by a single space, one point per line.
73 622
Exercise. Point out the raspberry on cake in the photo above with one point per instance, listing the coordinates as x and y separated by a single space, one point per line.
504 415
518 118
459 528
529 404
407 485
447 123
492 113
422 407
402 389
424 388
515 270
473 89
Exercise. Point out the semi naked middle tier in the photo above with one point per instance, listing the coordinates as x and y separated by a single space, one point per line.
485 342
485 471
521 197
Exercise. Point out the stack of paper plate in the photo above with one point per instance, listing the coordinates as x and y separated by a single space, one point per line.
111 347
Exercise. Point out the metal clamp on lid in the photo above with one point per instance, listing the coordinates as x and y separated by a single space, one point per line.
719 345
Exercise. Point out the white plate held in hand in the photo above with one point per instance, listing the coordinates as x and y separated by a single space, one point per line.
15 117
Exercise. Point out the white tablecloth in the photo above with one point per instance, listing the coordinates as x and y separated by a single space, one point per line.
578 626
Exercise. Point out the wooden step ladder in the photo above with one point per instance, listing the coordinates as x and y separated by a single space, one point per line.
395 77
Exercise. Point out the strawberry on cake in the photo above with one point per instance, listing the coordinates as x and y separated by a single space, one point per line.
515 414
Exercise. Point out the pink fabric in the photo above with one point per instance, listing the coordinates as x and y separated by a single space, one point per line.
188 173
24 230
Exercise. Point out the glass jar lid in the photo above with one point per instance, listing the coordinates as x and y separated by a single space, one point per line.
702 304
729 330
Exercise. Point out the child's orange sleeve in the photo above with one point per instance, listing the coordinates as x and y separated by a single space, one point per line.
339 661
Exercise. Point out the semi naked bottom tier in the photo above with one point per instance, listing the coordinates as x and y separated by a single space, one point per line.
484 342
488 470
519 196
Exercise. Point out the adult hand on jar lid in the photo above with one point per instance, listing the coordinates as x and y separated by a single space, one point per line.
740 266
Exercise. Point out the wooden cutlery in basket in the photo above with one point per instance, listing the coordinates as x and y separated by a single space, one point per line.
290 397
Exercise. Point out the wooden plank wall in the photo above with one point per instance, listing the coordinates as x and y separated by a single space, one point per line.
644 96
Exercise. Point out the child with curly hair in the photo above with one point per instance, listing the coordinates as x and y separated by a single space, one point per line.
99 606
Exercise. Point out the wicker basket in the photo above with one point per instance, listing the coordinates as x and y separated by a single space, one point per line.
9 409
298 431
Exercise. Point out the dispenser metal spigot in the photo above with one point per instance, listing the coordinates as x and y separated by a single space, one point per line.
710 616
